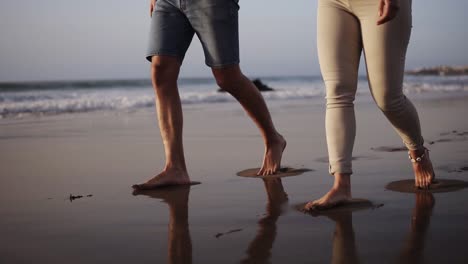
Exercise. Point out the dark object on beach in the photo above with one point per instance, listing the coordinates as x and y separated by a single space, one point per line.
75 197
283 172
464 168
439 186
228 232
259 84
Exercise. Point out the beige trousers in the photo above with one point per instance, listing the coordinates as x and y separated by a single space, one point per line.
345 28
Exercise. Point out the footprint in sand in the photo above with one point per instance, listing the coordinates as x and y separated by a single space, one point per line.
453 169
355 204
452 136
439 186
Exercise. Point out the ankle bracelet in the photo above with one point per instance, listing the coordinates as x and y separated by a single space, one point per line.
417 159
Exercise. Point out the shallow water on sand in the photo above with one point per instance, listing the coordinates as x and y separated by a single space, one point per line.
227 218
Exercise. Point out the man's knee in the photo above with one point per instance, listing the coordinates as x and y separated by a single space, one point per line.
164 70
228 78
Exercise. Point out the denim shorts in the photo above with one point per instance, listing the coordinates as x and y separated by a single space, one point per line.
174 22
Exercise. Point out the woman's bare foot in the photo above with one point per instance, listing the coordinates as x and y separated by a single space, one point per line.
273 154
168 177
339 193
423 170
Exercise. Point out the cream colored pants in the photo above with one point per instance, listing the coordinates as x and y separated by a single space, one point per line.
345 28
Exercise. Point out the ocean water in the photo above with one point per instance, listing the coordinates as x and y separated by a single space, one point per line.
18 100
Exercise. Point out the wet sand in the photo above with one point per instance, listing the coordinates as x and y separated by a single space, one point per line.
226 219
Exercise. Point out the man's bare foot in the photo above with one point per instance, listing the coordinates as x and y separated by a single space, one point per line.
168 177
339 194
273 154
423 170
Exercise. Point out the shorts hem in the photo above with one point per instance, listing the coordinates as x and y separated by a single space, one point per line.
222 65
150 55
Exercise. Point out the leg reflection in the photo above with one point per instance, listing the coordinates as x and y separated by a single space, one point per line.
259 250
180 243
414 246
344 243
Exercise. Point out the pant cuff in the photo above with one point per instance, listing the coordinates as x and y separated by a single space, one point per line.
339 168
419 144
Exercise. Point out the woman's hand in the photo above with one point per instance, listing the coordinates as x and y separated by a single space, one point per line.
152 5
388 10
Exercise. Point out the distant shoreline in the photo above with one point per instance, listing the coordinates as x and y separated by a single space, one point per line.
440 71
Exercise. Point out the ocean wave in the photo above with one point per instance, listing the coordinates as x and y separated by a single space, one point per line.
92 85
132 84
419 88
22 104
47 101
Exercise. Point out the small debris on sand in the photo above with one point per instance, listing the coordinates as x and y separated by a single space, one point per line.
75 197
228 232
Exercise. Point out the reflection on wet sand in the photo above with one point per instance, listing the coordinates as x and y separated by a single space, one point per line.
414 245
180 243
259 250
344 243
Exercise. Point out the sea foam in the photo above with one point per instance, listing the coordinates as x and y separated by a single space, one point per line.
50 98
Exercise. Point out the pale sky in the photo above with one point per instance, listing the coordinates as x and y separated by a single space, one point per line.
96 39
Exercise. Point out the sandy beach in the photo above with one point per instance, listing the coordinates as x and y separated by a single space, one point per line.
48 162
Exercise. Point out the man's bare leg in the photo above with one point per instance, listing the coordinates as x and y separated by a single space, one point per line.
339 193
164 73
179 242
234 82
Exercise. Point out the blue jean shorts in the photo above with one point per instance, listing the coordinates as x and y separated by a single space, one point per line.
174 22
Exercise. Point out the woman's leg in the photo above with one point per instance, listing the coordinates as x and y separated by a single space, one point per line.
385 50
339 49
